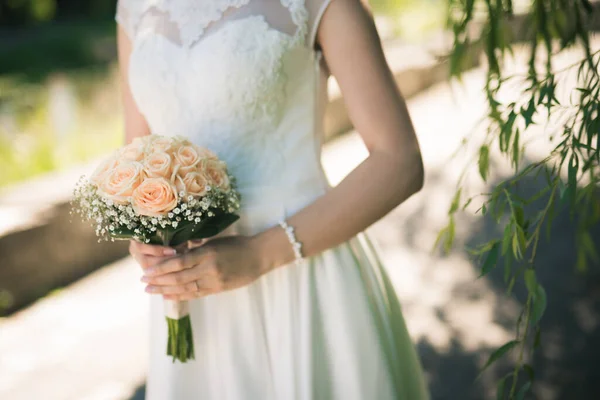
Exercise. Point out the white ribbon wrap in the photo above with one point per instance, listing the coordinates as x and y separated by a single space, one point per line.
176 309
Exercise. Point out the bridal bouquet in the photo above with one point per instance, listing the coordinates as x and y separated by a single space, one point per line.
160 190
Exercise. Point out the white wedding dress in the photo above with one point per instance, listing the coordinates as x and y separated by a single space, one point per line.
242 78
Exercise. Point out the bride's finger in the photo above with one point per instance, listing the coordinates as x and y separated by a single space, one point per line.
150 249
175 278
147 261
189 295
179 289
174 264
194 243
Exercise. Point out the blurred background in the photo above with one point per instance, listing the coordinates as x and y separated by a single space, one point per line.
73 313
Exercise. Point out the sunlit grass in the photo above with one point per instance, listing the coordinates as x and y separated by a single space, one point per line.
68 119
59 101
412 20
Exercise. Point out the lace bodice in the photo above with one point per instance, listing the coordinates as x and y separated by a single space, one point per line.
240 77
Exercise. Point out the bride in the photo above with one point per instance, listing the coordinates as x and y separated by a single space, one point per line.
293 303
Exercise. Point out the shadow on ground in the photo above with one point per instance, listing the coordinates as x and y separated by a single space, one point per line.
566 363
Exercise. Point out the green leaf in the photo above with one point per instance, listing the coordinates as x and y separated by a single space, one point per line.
441 234
214 226
491 260
467 203
511 284
506 133
527 113
501 388
122 233
515 247
523 391
208 227
455 202
572 175
539 304
484 162
484 248
506 238
529 371
562 188
588 244
450 236
499 353
515 152
522 239
530 281
519 216
483 210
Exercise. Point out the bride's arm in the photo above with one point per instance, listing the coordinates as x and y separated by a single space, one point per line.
393 170
135 123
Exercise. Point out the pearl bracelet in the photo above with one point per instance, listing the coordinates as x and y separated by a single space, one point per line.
296 245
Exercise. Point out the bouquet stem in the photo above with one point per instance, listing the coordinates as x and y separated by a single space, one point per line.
180 344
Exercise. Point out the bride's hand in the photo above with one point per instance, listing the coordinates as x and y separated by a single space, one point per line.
148 255
219 265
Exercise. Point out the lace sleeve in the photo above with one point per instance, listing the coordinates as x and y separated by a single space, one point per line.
316 9
127 16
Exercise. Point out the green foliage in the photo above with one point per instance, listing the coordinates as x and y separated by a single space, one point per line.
570 168
19 13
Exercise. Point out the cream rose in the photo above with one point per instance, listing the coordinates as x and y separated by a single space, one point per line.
154 197
103 169
133 151
216 173
187 158
203 152
121 182
181 141
193 183
161 143
158 165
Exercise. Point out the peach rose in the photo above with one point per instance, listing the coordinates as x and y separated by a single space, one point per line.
134 151
121 182
187 158
161 143
154 197
216 173
181 141
193 183
158 165
203 152
103 169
